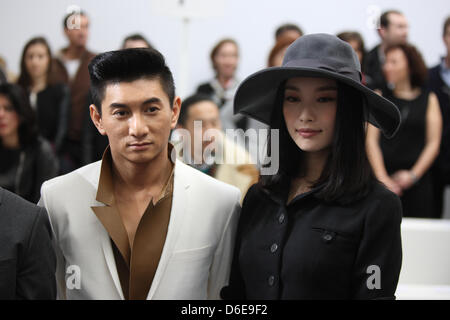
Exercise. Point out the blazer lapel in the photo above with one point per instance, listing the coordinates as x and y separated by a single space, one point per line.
177 214
110 218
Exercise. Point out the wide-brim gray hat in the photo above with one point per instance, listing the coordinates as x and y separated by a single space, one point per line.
314 55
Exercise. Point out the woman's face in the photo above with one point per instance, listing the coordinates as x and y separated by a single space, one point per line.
226 60
37 60
9 119
309 109
396 66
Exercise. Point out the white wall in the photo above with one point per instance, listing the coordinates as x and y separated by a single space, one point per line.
251 22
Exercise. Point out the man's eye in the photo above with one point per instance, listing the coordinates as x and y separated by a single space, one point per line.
152 109
120 113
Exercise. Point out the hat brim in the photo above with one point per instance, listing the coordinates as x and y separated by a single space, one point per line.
256 95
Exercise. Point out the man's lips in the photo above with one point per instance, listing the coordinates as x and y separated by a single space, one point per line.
139 144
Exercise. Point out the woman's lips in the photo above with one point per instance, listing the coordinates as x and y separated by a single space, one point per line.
308 133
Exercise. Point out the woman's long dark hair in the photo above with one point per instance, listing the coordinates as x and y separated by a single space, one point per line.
25 80
28 130
347 175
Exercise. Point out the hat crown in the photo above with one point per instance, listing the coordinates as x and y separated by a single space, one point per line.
323 51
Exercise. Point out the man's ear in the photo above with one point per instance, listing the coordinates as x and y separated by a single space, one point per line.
96 119
176 107
382 32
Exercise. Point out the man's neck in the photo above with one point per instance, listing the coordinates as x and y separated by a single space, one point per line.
73 52
141 178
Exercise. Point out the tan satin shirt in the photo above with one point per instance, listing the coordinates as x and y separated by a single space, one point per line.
136 265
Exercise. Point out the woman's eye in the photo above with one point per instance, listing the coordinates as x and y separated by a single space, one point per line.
326 99
291 99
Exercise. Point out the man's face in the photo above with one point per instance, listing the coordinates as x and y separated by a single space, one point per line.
137 118
77 33
397 30
207 113
447 39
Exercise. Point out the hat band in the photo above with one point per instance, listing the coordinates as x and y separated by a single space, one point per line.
351 73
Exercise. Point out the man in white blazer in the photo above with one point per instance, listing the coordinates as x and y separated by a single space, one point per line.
139 224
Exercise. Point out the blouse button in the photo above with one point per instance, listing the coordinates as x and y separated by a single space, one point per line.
273 248
281 218
327 237
271 281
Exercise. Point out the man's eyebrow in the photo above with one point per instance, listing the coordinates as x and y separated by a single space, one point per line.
152 100
118 105
124 105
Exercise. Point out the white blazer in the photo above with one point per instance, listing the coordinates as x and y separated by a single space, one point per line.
196 257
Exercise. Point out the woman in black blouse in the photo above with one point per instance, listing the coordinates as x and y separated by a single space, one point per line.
26 159
51 101
323 227
403 163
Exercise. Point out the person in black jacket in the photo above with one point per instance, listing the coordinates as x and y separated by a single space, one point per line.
49 99
393 29
439 83
322 227
26 159
27 259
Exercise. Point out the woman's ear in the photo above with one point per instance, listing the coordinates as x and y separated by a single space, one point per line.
96 118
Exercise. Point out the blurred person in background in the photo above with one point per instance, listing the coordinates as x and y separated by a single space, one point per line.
136 41
229 162
439 83
355 39
276 55
6 75
402 163
2 76
49 100
393 29
224 58
26 159
288 29
70 67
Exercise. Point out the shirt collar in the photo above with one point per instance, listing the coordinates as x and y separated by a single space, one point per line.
105 191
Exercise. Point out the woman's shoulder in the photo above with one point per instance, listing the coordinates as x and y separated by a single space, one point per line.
381 201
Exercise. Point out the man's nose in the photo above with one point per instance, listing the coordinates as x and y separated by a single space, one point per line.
138 126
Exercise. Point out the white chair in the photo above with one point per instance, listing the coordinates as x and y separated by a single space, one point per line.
425 272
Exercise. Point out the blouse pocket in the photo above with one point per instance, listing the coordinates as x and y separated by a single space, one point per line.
336 250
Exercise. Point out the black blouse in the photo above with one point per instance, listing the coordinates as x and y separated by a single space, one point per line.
53 106
313 250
